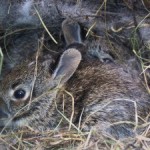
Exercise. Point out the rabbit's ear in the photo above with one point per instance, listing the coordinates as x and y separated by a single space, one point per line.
67 65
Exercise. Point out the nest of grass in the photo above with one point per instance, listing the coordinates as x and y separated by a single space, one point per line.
27 138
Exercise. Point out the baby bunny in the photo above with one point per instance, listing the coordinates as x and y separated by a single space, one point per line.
19 88
108 96
105 96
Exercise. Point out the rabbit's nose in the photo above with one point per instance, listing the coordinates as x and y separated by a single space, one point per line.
4 111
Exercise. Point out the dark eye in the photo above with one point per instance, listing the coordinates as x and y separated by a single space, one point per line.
19 94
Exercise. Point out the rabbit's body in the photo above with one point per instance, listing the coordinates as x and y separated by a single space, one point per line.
104 94
107 94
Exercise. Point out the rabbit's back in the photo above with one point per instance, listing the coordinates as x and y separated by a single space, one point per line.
106 94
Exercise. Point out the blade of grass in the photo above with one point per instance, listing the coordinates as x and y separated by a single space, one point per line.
1 59
45 26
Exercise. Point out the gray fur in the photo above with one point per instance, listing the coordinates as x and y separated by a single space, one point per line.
111 96
16 15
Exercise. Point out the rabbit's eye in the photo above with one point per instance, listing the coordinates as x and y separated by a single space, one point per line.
19 94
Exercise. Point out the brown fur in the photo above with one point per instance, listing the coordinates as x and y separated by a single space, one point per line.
107 90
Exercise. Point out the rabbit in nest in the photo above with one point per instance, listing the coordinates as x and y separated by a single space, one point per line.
84 90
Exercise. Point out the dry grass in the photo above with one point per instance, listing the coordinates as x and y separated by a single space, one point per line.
43 24
1 59
27 138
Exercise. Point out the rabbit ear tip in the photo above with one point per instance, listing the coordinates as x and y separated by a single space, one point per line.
73 52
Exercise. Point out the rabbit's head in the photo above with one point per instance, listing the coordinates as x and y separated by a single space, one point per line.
30 88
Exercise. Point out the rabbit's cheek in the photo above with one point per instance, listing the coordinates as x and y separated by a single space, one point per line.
17 105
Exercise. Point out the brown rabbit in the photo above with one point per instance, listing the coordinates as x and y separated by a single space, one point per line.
101 95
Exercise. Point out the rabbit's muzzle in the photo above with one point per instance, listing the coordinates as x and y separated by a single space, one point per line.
4 111
5 114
